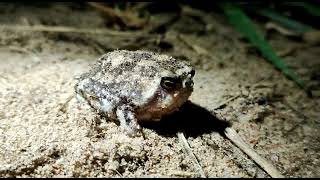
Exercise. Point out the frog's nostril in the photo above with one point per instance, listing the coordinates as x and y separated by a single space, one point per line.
192 72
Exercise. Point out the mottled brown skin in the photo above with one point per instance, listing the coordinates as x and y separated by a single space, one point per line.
132 86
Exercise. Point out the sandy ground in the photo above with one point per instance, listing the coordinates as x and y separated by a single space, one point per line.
43 136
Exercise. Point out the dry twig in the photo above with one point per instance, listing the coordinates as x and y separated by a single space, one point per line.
63 107
221 105
188 151
193 46
263 163
281 29
182 173
126 18
65 29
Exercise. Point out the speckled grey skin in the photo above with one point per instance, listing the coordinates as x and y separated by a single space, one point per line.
132 86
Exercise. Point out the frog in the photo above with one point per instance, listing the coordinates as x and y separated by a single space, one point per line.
134 86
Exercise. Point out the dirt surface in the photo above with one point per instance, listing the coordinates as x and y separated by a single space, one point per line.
42 134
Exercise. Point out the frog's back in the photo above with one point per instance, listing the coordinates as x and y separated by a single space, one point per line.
131 76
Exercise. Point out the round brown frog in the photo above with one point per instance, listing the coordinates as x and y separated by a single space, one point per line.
133 86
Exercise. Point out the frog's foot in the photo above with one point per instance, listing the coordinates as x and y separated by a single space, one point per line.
128 121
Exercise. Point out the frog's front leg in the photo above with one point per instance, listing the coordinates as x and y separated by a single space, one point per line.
128 120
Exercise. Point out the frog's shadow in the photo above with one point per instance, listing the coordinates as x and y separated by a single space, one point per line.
190 119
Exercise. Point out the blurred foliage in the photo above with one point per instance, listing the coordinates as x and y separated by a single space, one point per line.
283 20
281 13
310 8
245 26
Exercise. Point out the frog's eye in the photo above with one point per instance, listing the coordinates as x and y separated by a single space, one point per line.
169 83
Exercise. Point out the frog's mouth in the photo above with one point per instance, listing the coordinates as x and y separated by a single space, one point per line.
164 103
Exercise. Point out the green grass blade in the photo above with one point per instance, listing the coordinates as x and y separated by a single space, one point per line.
289 23
244 25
